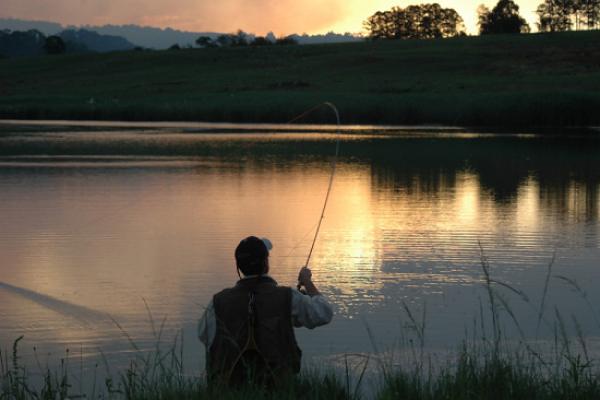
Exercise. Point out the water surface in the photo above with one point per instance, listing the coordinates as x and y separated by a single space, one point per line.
102 222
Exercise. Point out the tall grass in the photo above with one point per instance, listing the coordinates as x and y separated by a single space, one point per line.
487 365
495 367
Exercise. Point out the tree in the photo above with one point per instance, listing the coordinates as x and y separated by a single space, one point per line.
504 18
239 39
286 41
588 12
18 43
261 41
205 41
54 45
561 15
555 15
423 21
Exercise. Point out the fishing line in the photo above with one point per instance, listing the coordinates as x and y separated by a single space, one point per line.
331 176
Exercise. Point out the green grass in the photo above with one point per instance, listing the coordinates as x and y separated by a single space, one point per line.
503 80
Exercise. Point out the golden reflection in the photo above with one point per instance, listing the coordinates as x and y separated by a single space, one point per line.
351 231
528 206
468 195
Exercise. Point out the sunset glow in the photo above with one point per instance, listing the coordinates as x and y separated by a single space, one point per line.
260 16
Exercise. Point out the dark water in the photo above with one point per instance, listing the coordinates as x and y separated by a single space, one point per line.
99 220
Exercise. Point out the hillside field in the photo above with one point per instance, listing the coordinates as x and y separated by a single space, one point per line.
502 80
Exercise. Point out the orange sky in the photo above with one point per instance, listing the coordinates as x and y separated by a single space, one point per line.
257 16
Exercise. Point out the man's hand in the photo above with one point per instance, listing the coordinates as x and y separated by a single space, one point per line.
305 279
304 276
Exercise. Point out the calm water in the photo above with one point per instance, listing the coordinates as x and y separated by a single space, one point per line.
99 219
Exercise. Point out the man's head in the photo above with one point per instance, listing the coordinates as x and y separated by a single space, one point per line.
252 256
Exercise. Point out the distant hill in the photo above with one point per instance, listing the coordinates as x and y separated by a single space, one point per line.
94 41
47 28
157 38
152 38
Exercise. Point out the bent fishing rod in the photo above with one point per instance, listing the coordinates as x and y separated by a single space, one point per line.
331 176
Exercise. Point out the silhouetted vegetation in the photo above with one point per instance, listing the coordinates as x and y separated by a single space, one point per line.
205 41
243 39
16 43
563 15
54 45
35 43
503 18
285 41
93 41
423 21
261 41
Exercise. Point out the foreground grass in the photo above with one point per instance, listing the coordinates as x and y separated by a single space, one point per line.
489 365
474 376
503 80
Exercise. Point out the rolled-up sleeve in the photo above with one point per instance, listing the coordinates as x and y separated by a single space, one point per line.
310 312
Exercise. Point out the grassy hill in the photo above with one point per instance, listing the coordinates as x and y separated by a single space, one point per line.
504 80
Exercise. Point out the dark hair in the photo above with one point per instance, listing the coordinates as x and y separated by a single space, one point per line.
251 255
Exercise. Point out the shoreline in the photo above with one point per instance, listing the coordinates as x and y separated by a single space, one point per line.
216 127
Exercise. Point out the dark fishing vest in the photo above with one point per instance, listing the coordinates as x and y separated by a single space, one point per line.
260 307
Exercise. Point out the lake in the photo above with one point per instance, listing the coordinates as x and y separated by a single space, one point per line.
112 230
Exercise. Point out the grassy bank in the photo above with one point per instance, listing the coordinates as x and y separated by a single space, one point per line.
503 80
478 372
488 365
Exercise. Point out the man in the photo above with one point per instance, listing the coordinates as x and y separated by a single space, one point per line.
248 329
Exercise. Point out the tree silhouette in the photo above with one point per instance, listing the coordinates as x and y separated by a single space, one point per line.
555 15
261 41
205 41
54 45
18 43
589 13
286 41
423 21
504 18
559 15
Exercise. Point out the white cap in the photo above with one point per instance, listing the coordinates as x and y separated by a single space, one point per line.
267 243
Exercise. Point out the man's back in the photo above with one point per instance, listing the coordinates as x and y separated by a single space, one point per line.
248 330
254 333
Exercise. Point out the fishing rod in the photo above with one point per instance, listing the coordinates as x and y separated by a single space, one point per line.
331 176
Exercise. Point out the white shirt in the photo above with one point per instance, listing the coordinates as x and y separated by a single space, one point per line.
307 311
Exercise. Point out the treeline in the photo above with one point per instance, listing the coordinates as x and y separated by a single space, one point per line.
242 39
34 42
563 15
431 21
423 21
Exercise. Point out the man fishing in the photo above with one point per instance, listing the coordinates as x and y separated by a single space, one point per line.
248 329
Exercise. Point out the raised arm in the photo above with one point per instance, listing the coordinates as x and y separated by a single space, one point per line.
310 310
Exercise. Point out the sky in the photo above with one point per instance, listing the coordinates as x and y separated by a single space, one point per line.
256 16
